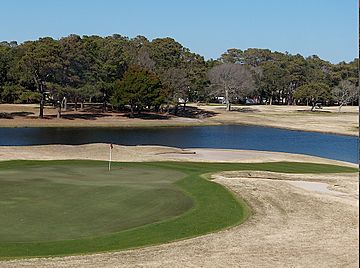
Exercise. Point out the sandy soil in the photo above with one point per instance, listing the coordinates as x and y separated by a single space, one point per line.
290 117
289 227
26 115
100 151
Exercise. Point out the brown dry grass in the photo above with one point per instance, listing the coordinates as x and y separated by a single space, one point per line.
17 115
290 117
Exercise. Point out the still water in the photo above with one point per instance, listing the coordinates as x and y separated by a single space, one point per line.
226 137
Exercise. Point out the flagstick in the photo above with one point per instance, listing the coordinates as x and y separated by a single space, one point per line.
110 159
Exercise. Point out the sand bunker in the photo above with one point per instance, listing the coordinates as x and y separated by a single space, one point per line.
100 151
314 186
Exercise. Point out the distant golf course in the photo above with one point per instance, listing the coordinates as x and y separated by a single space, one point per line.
50 208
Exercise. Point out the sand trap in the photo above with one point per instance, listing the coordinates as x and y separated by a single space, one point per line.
315 186
100 151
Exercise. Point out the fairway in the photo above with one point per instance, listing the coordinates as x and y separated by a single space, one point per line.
70 207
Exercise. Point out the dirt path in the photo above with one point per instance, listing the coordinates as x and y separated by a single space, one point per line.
290 226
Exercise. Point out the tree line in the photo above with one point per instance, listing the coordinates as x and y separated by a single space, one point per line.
136 74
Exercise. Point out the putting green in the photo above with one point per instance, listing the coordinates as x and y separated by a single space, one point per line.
69 207
62 201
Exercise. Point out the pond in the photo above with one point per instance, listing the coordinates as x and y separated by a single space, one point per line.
331 146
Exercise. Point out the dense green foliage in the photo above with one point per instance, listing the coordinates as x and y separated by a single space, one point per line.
313 92
214 207
88 68
139 88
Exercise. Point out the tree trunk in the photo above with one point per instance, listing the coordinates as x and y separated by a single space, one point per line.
65 103
313 104
42 101
167 109
228 106
132 111
104 104
41 109
58 110
341 105
157 108
290 100
176 108
41 91
271 99
227 101
82 105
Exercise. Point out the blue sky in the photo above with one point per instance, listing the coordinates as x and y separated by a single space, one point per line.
327 28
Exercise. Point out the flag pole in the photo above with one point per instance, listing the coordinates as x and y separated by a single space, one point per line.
111 146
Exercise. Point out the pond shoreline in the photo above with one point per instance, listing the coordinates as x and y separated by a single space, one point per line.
297 118
243 137
203 124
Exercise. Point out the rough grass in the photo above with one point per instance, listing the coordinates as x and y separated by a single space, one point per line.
203 206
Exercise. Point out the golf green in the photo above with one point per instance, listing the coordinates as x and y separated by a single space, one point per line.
70 207
62 201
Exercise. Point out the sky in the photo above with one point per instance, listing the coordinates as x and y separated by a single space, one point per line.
327 28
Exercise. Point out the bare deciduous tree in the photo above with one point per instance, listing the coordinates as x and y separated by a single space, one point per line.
344 93
177 84
144 60
232 81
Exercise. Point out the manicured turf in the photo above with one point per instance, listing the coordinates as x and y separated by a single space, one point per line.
70 207
62 201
